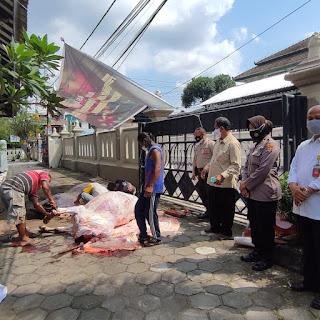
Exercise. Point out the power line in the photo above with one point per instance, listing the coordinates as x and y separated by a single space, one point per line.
127 32
227 56
134 42
98 24
123 25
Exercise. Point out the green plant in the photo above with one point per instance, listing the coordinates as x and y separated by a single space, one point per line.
18 156
285 204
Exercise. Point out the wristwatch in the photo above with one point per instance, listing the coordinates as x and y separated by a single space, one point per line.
305 191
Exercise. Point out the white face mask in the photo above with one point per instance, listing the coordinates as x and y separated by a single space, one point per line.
314 126
217 133
144 149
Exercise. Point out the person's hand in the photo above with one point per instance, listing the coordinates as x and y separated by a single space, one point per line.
203 173
219 179
193 176
148 191
297 193
55 213
53 203
242 186
245 193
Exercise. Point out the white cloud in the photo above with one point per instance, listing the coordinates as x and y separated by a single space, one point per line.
240 34
256 39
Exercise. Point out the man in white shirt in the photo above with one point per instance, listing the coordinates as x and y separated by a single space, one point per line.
304 182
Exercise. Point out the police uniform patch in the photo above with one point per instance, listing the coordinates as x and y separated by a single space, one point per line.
270 146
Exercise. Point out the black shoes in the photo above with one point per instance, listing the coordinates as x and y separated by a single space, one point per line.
203 216
300 286
262 265
315 303
251 257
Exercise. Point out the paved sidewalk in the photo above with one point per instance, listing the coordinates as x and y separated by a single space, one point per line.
189 277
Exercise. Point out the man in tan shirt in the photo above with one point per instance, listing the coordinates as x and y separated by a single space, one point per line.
223 171
202 156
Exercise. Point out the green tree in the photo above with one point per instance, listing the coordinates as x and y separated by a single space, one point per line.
223 82
24 77
25 126
5 129
203 88
198 90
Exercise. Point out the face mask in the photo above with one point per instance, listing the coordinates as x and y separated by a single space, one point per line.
217 133
199 139
314 126
144 149
257 134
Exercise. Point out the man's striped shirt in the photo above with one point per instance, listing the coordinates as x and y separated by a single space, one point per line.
28 182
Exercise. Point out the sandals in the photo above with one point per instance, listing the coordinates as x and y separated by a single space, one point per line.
152 242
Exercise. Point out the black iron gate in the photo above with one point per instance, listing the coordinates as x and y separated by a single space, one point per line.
175 136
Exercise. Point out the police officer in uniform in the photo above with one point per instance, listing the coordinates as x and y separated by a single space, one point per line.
260 184
202 156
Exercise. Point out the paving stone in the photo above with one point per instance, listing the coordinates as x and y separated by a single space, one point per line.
9 314
225 314
145 303
25 279
188 288
10 287
34 314
64 314
143 252
121 279
87 302
268 299
196 258
290 312
245 286
205 250
133 290
210 265
138 267
182 239
116 303
173 258
161 267
163 252
80 289
176 244
92 269
102 278
174 304
95 314
27 269
184 251
151 259
47 280
127 314
57 301
192 314
205 301
75 278
186 266
148 277
236 300
7 302
174 276
26 290
114 268
200 276
28 302
225 277
46 270
258 313
161 289
53 289
217 287
105 290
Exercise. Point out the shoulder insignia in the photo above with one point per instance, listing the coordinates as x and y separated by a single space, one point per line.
270 146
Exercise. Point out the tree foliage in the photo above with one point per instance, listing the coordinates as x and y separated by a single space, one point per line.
25 75
203 88
25 126
5 129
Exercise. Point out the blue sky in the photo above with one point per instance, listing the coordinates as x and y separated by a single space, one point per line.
186 37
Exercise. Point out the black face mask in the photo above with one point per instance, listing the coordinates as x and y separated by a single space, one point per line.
198 138
257 134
